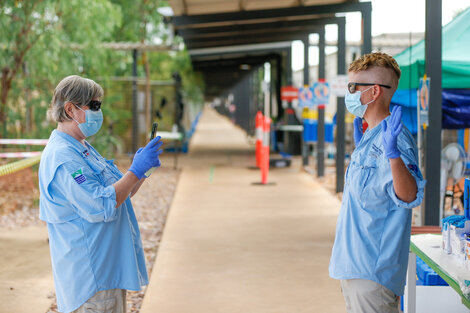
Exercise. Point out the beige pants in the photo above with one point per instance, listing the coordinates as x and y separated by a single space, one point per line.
367 296
105 301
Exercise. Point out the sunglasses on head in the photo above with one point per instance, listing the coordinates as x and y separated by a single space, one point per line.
94 105
352 86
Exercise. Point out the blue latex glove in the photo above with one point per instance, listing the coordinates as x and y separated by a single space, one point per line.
146 158
390 132
358 131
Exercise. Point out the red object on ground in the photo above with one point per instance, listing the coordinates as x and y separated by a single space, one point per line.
259 136
289 93
265 151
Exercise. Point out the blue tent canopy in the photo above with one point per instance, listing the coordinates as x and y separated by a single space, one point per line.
455 108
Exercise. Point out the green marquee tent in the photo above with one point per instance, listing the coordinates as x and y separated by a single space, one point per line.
455 56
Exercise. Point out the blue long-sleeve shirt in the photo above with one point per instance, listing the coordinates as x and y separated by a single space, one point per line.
94 245
373 228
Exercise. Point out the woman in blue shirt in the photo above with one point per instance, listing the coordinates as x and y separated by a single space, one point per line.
94 238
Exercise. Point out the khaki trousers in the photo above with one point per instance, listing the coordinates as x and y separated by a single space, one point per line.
367 296
105 301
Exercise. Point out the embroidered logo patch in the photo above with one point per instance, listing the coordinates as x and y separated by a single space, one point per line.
79 177
86 154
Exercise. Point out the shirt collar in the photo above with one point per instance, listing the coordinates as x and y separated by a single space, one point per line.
372 132
74 142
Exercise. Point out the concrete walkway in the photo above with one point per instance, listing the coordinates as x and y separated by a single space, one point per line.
230 246
25 271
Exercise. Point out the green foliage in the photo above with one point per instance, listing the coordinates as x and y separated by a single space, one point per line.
42 41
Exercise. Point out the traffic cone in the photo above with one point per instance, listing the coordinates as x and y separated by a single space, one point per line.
259 137
265 151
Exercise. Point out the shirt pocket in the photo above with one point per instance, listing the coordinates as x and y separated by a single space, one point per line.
111 174
360 177
97 168
370 183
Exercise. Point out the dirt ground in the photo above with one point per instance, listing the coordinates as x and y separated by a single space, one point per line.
19 190
26 283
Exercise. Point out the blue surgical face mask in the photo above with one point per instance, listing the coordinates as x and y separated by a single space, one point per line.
92 124
354 105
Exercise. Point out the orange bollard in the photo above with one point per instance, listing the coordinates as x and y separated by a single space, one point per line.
265 151
259 137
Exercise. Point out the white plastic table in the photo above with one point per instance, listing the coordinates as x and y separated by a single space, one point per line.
428 248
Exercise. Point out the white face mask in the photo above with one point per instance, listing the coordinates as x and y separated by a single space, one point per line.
354 104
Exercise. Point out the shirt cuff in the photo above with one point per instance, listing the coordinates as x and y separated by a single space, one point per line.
110 210
420 183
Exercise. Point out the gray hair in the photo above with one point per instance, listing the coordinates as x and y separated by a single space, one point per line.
78 90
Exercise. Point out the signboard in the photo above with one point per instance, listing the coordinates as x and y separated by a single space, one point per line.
306 97
289 93
423 101
339 85
321 93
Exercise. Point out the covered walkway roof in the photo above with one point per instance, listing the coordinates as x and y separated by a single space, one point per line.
216 23
208 27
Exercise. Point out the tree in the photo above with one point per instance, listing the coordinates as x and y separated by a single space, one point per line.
38 37
42 41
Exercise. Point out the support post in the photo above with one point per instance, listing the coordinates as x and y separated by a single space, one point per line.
321 108
135 124
433 55
306 57
289 66
340 109
291 140
306 147
410 294
367 28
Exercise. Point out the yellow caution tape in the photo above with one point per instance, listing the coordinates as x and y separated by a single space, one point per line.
18 165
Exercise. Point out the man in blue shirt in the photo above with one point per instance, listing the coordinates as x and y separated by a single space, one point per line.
94 239
383 183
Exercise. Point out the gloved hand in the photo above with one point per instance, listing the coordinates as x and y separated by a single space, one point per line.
146 158
358 131
390 132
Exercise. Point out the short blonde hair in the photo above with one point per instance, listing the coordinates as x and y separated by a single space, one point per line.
375 59
78 90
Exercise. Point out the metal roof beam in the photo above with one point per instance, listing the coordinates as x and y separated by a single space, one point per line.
185 20
252 48
250 60
213 57
215 31
275 33
241 41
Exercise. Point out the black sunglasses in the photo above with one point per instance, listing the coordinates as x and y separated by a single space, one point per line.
352 86
94 105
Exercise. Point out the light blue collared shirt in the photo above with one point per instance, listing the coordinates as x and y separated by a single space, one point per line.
94 245
373 228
